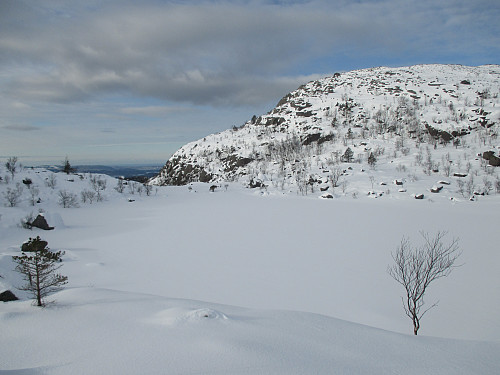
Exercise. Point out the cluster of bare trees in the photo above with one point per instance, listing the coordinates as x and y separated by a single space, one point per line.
66 198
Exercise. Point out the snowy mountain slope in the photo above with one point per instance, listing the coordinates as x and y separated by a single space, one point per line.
139 267
418 121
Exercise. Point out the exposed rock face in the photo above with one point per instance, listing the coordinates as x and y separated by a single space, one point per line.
179 171
365 110
441 135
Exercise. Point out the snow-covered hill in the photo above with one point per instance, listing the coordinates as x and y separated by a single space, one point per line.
430 122
141 266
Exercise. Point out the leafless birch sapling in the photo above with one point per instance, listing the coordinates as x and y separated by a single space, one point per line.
416 268
12 165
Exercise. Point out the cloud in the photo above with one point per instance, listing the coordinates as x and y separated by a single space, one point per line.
130 144
224 53
20 128
152 110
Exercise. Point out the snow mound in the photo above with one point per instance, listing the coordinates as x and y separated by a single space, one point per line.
174 316
205 313
54 219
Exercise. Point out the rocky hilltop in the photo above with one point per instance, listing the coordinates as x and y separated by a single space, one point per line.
404 121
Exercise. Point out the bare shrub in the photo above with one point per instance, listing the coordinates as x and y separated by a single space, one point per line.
51 181
12 165
13 196
88 196
416 268
34 195
120 186
99 185
67 199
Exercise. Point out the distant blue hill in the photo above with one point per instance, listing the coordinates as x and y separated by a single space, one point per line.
145 171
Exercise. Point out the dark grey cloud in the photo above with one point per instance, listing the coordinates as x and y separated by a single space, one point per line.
222 52
20 128
153 110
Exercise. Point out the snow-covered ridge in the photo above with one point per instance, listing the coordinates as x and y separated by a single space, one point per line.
401 115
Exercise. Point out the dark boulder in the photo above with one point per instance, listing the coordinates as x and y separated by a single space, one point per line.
34 244
254 183
444 136
8 296
316 137
310 138
325 138
460 133
233 162
305 113
492 159
275 121
41 223
436 189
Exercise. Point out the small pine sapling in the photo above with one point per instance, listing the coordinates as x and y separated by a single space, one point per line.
39 267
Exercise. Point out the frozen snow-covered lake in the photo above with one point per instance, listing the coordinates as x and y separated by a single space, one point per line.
152 285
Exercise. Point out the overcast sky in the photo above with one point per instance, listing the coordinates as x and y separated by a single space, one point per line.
121 81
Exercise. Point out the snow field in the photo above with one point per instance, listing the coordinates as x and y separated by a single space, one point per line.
295 265
95 330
